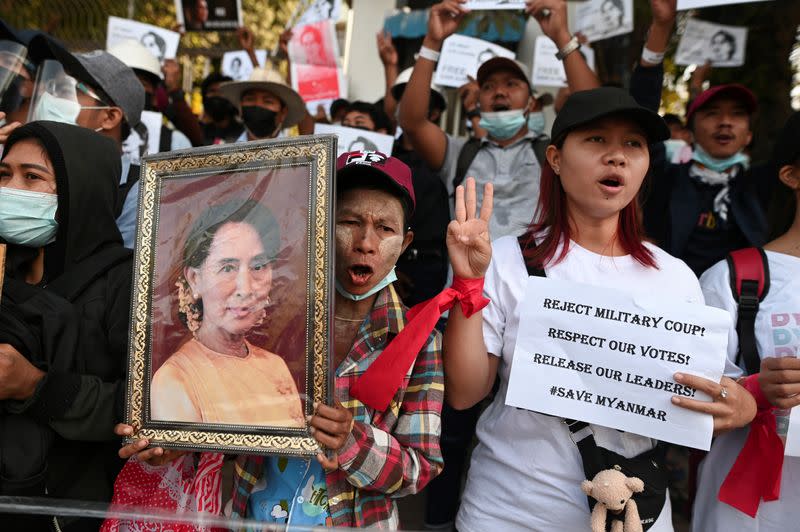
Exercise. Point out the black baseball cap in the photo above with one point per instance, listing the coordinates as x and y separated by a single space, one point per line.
584 107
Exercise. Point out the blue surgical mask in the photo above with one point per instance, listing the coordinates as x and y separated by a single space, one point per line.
57 109
28 218
502 125
386 281
719 165
536 122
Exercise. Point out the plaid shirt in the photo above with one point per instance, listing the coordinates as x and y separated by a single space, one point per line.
388 454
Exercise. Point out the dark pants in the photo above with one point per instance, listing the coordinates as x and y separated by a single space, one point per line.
444 491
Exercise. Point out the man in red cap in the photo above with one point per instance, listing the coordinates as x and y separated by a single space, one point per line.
701 210
384 426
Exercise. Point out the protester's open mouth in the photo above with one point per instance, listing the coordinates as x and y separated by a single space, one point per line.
724 138
611 184
360 274
500 107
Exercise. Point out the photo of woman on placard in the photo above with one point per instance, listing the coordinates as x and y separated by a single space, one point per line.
218 376
722 47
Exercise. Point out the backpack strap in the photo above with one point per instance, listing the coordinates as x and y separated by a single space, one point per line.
749 278
465 157
74 281
470 150
540 145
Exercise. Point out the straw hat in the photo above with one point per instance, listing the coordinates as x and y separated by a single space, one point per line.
268 80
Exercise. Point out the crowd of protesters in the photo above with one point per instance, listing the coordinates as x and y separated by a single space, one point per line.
612 194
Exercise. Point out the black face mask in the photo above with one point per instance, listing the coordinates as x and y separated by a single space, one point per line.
218 108
261 122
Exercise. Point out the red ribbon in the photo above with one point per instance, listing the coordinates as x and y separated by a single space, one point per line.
376 387
756 474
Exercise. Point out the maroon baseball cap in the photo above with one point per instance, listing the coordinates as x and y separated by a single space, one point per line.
731 90
394 171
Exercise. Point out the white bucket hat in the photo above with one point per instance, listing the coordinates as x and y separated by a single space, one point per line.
136 56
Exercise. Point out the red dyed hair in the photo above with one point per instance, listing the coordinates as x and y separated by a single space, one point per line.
552 221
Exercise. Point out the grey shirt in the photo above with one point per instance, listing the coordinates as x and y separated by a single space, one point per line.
514 171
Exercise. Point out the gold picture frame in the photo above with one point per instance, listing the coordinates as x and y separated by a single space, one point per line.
291 179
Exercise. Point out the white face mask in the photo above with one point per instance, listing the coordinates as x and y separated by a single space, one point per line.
386 281
56 109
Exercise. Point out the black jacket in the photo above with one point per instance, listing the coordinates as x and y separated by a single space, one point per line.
673 205
671 199
83 404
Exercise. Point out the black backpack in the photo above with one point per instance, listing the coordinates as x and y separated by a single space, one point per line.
470 150
44 325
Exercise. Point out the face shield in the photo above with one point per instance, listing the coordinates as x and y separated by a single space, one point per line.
57 96
16 81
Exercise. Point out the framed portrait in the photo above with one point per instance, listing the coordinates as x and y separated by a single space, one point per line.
209 15
229 345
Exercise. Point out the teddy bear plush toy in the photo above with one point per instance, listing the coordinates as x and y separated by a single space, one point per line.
613 491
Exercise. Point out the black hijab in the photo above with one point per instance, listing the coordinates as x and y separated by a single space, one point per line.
87 168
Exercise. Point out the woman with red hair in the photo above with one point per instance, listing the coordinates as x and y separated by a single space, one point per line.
526 471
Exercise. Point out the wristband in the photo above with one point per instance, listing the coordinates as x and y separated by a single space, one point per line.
430 55
571 46
654 58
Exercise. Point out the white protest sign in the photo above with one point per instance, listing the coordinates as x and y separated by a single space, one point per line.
485 5
315 83
600 356
548 70
601 19
461 57
314 44
238 65
705 41
691 4
135 147
162 43
352 139
316 10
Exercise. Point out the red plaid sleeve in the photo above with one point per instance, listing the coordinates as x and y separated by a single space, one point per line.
401 458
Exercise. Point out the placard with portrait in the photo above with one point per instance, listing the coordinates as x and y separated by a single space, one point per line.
232 290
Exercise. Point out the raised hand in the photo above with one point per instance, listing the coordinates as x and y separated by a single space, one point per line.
283 42
552 17
386 49
444 19
468 242
246 39
664 12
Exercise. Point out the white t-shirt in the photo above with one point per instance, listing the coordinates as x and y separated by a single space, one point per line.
777 325
526 472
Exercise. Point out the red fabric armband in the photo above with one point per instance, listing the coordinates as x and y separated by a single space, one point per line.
756 474
376 387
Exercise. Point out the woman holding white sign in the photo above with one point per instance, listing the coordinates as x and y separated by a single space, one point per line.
749 457
526 471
